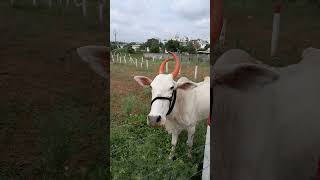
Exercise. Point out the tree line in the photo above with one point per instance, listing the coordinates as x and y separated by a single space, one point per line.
155 46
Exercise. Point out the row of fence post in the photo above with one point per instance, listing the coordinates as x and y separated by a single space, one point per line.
122 59
83 5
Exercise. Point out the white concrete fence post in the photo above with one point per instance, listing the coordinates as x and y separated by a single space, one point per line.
84 8
50 3
275 29
167 67
195 72
136 63
206 156
101 4
147 64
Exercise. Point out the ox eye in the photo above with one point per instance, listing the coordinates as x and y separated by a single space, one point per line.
171 87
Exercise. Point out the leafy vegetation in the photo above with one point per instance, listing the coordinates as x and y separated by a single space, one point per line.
153 44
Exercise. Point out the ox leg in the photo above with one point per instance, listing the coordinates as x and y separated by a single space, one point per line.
191 132
174 140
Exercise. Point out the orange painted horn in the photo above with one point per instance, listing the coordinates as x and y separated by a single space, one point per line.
161 69
176 65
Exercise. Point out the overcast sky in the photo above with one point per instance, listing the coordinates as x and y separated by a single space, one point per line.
139 20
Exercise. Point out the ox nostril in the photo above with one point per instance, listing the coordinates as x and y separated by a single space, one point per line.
158 118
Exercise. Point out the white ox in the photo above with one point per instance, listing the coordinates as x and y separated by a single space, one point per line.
267 120
191 105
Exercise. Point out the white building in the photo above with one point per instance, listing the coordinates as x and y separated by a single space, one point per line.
202 43
135 47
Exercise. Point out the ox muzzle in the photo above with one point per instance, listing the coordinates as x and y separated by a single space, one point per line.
155 121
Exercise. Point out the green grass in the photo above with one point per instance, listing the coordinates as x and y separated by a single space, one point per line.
141 152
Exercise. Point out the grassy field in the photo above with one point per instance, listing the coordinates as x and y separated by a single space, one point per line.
53 107
137 150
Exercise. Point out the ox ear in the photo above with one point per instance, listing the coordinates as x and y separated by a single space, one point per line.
96 57
243 76
185 85
143 81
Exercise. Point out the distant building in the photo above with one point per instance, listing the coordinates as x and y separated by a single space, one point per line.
135 47
184 41
164 41
203 43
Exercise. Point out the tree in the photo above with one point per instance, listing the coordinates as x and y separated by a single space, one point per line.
190 48
172 45
184 48
113 46
153 45
196 44
162 46
130 50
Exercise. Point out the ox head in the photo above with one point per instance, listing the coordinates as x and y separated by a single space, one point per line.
164 89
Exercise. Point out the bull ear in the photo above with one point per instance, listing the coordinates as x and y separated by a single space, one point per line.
96 57
243 76
143 81
186 85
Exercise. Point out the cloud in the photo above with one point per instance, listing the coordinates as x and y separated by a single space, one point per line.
191 9
202 23
139 20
